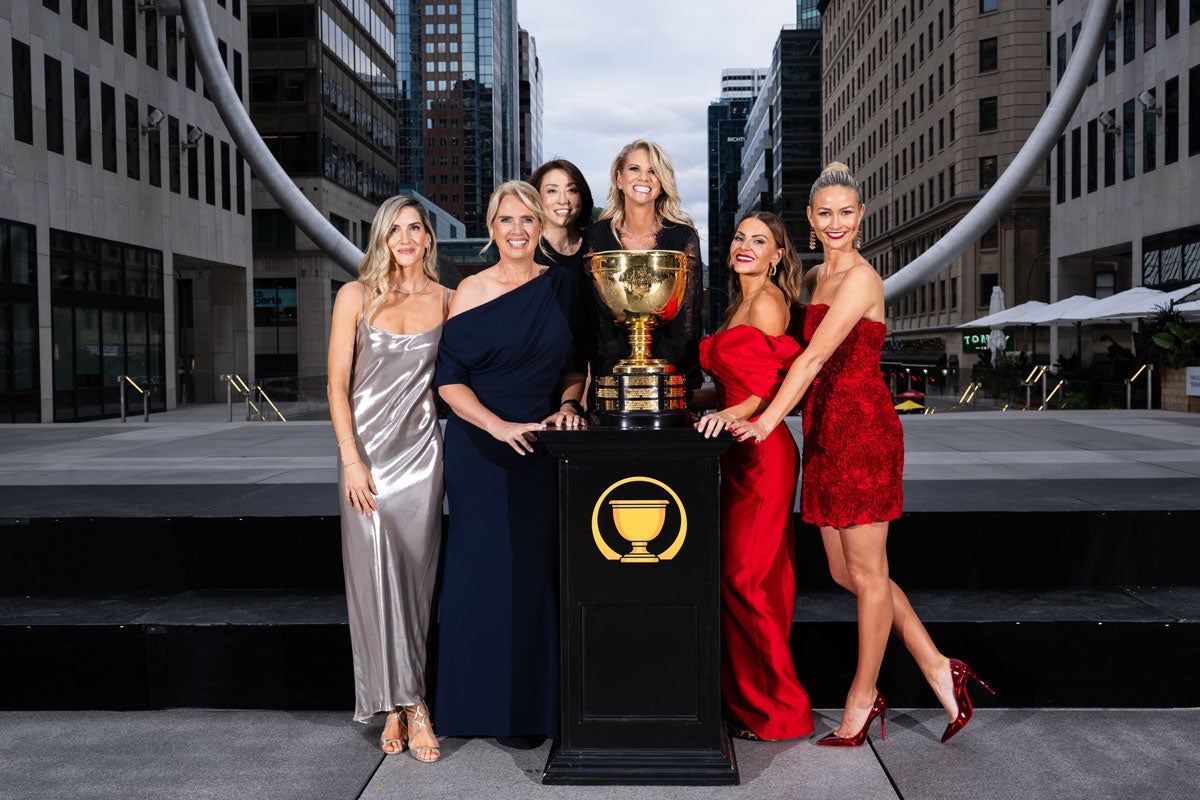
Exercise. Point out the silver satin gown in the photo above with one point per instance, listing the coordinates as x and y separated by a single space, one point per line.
390 558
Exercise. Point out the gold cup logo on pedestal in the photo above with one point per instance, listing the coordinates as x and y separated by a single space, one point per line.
639 519
639 522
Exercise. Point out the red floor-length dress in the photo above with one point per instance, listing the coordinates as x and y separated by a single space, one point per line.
758 582
853 441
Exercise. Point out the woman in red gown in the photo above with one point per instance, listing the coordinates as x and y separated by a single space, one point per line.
854 457
748 358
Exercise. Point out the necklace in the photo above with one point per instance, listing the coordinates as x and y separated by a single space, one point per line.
396 288
651 237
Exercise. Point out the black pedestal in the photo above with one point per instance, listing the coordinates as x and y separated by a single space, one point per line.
641 694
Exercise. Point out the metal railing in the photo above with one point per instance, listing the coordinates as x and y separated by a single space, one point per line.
1149 370
235 382
124 381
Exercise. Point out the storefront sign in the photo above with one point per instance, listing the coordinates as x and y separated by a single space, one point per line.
978 342
1193 381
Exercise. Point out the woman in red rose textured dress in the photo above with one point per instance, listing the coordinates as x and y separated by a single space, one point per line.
854 457
747 358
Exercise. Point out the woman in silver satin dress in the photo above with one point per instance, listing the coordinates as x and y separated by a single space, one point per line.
382 349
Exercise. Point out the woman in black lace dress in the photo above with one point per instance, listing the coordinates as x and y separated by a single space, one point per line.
644 212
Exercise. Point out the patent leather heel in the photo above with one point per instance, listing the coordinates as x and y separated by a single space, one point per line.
960 671
877 710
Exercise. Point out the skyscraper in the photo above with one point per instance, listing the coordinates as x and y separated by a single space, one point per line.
531 106
459 63
726 133
323 96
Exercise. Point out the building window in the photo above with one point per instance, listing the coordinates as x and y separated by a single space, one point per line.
1110 153
1194 110
189 67
988 55
1127 132
22 72
986 6
1091 156
1129 21
1171 119
1171 18
129 17
1149 24
79 13
988 116
83 118
1110 49
1149 138
54 105
1061 54
171 47
272 230
210 170
104 19
1060 170
1105 285
226 189
991 238
1076 154
239 170
173 145
151 24
987 282
108 127
154 153
193 163
19 382
133 159
987 172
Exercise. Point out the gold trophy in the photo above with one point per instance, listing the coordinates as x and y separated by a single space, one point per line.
639 522
641 288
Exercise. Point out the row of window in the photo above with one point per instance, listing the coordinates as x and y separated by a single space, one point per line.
137 121
1128 20
19 382
1109 139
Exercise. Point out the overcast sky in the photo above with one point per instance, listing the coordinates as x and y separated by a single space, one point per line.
618 70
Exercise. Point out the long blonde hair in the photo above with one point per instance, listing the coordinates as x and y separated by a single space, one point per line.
789 272
667 205
524 192
377 262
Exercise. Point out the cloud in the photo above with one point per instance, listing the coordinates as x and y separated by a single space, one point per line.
626 69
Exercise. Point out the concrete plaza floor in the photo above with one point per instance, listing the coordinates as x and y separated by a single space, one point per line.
181 463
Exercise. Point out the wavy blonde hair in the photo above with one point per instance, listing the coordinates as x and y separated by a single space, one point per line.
667 205
523 191
377 262
789 275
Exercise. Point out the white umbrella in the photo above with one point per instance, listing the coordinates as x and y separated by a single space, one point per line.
996 341
1190 310
1006 316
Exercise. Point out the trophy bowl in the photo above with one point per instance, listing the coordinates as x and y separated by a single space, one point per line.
641 288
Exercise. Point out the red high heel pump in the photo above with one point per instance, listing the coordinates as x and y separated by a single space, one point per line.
877 709
959 672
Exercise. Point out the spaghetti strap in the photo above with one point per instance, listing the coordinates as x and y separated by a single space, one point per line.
362 311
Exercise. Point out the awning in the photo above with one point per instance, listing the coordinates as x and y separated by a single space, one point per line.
1003 317
1134 303
1055 311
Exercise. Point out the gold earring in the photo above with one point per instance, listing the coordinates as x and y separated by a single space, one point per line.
858 241
812 240
774 268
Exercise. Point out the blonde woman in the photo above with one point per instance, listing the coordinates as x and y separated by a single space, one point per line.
382 349
854 458
507 369
644 212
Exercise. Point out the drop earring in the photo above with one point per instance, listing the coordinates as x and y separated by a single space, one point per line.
858 241
812 240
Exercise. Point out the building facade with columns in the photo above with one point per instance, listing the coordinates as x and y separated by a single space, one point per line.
1124 166
124 219
928 103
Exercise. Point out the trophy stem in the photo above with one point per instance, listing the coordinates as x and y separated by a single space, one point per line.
641 330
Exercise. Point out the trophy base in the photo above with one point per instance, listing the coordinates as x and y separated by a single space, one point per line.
650 400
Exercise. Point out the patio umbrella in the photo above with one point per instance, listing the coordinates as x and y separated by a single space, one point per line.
996 338
909 406
911 394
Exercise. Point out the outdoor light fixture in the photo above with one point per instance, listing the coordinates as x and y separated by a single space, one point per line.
153 120
194 135
1149 103
1108 123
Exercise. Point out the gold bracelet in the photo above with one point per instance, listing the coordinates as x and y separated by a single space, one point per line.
345 439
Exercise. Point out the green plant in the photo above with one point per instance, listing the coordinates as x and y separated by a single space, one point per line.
1178 344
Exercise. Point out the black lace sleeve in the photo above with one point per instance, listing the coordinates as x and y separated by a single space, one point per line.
679 340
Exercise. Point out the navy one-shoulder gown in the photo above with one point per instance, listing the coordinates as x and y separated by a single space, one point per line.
497 669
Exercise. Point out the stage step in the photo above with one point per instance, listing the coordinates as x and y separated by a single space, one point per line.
291 650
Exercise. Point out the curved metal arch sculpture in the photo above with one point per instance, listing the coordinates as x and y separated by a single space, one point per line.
933 261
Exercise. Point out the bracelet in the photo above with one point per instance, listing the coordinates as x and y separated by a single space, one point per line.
351 464
575 406
345 439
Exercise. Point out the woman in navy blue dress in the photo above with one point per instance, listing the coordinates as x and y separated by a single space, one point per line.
506 368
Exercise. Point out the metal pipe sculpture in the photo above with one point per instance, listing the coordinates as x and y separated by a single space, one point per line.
1027 161
933 261
203 43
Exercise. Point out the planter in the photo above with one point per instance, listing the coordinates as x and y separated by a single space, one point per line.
1174 392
